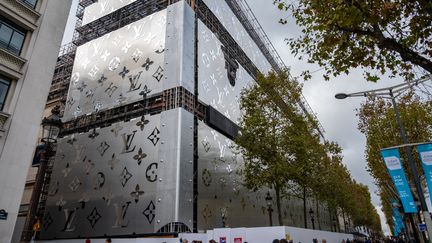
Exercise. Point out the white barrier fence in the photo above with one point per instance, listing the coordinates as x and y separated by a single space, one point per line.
238 235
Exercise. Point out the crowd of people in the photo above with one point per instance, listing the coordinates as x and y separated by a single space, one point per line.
388 240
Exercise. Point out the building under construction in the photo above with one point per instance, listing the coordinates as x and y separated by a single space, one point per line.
150 93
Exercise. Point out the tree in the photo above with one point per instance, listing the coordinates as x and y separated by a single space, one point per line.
282 150
377 121
276 145
375 35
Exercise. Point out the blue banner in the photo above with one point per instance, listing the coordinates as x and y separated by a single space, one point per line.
394 166
398 222
425 154
396 229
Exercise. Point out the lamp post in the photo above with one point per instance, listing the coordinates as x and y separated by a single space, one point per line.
311 214
392 93
50 130
269 200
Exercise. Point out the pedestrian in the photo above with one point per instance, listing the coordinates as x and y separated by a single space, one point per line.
283 241
88 240
276 241
108 240
212 241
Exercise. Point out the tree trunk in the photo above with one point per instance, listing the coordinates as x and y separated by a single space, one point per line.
278 204
317 214
344 221
337 221
304 208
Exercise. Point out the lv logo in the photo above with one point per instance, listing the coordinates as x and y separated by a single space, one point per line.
70 216
121 215
133 80
127 141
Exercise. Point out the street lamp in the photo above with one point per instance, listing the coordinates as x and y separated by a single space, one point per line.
269 200
50 130
51 127
392 93
311 214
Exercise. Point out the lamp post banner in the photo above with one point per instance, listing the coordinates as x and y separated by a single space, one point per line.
425 154
394 166
396 228
398 221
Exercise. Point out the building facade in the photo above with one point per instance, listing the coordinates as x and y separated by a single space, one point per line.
30 37
149 122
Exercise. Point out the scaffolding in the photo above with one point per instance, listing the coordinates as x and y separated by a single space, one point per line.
61 78
169 99
249 21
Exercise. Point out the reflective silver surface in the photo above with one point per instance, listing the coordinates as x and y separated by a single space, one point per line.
102 8
105 181
180 47
220 189
113 69
214 86
223 12
175 183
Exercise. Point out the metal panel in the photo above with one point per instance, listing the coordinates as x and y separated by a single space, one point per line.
104 181
180 47
176 169
102 8
220 189
215 88
225 15
113 69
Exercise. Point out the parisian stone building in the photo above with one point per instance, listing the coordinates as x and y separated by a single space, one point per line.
30 35
150 115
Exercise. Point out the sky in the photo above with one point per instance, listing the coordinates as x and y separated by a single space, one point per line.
338 117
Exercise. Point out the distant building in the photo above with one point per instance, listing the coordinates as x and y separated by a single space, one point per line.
149 119
30 37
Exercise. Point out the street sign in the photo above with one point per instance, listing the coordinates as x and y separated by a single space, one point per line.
422 227
3 214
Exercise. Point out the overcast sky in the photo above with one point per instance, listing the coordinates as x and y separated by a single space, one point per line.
338 117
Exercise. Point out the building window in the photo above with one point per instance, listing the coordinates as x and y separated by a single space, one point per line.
30 3
11 37
4 89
